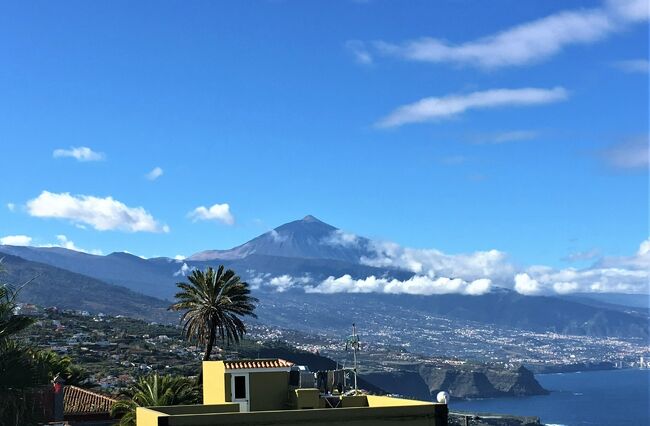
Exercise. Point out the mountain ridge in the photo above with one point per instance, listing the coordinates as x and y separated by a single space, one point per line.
297 255
51 286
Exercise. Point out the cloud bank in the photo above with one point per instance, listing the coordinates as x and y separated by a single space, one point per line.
438 108
609 275
418 284
103 214
475 273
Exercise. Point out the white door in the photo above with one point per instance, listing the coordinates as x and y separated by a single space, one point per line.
240 392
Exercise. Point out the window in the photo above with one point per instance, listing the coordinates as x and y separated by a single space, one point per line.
240 387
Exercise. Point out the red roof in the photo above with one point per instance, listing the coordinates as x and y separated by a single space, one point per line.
257 363
81 401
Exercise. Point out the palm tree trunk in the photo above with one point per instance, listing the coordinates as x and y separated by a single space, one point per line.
208 349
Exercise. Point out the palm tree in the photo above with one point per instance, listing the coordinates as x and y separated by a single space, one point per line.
10 323
214 302
23 369
151 391
17 374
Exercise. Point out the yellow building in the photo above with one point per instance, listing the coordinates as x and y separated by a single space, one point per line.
258 392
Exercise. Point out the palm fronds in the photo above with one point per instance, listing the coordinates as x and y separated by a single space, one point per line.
214 303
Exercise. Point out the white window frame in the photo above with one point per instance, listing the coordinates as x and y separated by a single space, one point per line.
232 387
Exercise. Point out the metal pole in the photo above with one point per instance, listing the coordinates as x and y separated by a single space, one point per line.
354 347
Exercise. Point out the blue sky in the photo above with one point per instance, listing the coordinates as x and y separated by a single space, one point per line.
530 135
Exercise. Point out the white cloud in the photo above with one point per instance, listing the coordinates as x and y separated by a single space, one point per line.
277 237
256 280
11 207
180 257
582 255
429 109
218 212
183 271
566 287
418 284
341 238
627 274
154 174
630 10
102 214
491 264
16 240
64 242
633 154
81 153
506 137
282 283
526 43
359 51
524 284
634 66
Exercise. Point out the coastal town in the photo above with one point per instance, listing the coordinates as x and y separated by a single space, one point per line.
115 350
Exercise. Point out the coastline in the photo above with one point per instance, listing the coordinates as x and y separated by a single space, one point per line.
597 398
573 368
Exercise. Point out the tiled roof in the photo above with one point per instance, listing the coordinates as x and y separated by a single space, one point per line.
257 363
81 401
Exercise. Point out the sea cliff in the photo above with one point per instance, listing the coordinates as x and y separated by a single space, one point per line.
425 381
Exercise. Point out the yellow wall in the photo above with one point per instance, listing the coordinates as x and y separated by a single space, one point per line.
354 401
216 389
268 390
300 399
147 417
387 401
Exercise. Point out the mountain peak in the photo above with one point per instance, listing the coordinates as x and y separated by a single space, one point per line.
308 237
310 218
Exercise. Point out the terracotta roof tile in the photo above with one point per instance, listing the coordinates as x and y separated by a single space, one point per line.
81 401
257 363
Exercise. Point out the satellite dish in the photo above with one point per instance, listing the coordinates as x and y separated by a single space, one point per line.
442 397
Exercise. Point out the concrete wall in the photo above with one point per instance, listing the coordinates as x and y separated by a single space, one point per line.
231 407
269 391
401 413
415 415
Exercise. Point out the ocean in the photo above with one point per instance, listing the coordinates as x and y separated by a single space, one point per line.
594 398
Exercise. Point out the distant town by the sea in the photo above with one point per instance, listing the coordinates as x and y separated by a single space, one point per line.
596 398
